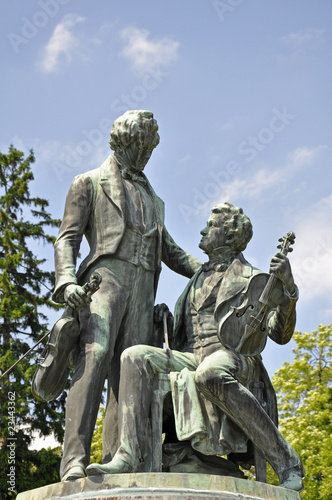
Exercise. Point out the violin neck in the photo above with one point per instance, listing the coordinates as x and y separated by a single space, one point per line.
266 293
265 297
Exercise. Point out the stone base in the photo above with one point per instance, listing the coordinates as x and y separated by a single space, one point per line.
160 486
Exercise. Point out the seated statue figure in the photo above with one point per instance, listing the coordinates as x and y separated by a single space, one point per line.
220 373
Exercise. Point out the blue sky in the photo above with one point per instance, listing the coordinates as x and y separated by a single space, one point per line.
241 91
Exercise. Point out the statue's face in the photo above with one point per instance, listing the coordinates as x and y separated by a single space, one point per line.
213 235
137 155
143 156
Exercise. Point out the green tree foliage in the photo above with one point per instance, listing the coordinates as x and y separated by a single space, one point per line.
97 439
304 391
25 293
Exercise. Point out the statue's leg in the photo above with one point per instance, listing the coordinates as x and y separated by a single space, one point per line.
219 378
139 364
136 328
99 322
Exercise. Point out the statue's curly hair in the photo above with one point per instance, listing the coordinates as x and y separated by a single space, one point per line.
133 125
236 224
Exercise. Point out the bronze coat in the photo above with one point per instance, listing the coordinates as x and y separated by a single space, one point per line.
95 207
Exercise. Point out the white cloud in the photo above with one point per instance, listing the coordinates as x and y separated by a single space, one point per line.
62 43
304 155
311 260
143 52
309 37
253 187
267 181
295 45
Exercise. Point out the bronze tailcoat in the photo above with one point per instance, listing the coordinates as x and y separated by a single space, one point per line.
96 207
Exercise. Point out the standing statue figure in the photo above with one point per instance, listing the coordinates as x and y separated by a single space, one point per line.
122 219
199 358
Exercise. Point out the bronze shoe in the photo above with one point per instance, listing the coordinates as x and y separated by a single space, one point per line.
118 465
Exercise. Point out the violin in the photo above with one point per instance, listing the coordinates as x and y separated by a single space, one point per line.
245 328
53 366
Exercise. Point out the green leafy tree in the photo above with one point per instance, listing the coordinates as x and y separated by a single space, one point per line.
304 391
97 439
25 293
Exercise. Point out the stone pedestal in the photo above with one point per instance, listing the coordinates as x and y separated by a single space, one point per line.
160 486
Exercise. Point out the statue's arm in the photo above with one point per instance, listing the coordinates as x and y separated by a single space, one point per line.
176 258
67 245
281 321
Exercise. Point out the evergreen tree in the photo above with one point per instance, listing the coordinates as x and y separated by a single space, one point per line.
304 392
25 293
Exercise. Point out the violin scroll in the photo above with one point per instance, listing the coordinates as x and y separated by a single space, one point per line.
286 242
94 284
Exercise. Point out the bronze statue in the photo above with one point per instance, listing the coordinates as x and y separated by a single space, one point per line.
122 219
220 374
